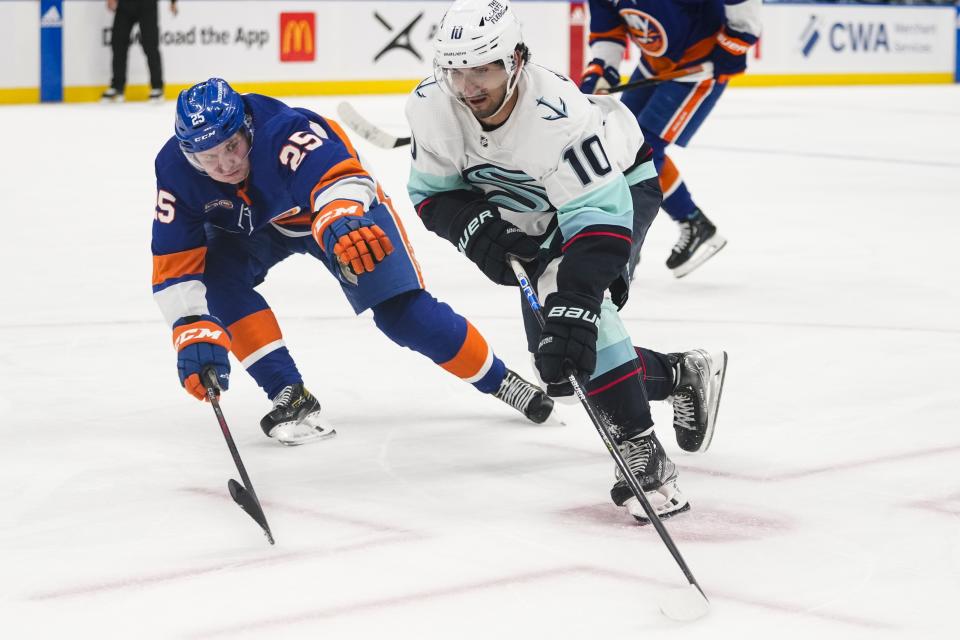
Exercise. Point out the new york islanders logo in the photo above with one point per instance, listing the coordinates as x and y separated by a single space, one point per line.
646 31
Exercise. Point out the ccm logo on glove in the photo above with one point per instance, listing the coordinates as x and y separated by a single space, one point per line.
471 229
201 342
329 215
575 313
196 334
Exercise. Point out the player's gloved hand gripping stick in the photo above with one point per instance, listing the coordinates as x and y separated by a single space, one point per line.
243 495
688 603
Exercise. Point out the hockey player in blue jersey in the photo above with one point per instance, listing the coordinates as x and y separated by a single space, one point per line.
247 181
712 35
506 152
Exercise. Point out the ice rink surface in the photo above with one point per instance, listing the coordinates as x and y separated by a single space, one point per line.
827 507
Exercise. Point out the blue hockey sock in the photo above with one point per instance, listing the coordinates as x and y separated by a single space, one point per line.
274 371
677 201
418 321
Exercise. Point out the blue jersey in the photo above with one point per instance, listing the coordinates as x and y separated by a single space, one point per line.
300 163
671 34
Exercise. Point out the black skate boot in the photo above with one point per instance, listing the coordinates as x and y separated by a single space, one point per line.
696 396
528 399
111 95
656 474
295 418
698 242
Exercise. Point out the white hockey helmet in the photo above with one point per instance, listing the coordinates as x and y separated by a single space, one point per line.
475 33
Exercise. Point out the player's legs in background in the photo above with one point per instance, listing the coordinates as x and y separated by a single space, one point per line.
150 41
123 21
670 113
412 318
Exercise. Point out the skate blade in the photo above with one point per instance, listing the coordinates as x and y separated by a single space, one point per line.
703 253
310 429
644 520
666 501
716 391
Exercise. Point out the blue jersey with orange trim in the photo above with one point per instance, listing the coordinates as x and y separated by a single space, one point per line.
300 163
671 34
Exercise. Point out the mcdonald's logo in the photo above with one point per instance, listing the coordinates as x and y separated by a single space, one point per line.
298 37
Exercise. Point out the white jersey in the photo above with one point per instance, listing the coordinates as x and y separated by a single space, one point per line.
561 155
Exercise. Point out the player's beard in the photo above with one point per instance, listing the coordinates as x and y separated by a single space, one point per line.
491 104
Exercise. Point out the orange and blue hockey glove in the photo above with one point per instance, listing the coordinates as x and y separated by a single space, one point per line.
357 242
201 342
729 55
599 77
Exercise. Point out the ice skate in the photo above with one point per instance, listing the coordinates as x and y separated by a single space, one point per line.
295 418
696 396
156 96
111 95
656 474
528 399
698 242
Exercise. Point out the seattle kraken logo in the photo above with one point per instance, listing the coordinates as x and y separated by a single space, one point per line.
514 190
558 112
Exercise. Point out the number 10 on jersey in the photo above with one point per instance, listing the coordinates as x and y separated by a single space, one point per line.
596 159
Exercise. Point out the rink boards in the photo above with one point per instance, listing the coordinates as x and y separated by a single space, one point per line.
317 47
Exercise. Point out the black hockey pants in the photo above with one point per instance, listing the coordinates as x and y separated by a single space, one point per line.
129 13
623 393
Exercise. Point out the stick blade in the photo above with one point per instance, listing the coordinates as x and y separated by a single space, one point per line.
684 604
247 502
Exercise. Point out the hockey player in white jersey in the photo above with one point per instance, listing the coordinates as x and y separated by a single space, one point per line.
511 159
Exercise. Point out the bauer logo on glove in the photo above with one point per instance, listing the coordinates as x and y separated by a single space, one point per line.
471 229
575 313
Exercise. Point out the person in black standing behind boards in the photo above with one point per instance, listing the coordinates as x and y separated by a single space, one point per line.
126 14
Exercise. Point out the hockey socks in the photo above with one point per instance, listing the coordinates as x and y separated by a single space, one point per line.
418 321
677 201
258 345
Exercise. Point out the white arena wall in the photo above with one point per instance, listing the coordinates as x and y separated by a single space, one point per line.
305 47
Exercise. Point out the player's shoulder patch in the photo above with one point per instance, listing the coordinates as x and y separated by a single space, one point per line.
427 85
556 98
553 108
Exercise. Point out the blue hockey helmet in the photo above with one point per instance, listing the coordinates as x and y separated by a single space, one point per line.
208 113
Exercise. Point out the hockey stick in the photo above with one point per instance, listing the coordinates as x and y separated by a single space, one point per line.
666 77
243 495
367 130
685 604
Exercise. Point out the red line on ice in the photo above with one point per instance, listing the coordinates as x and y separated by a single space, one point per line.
456 590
